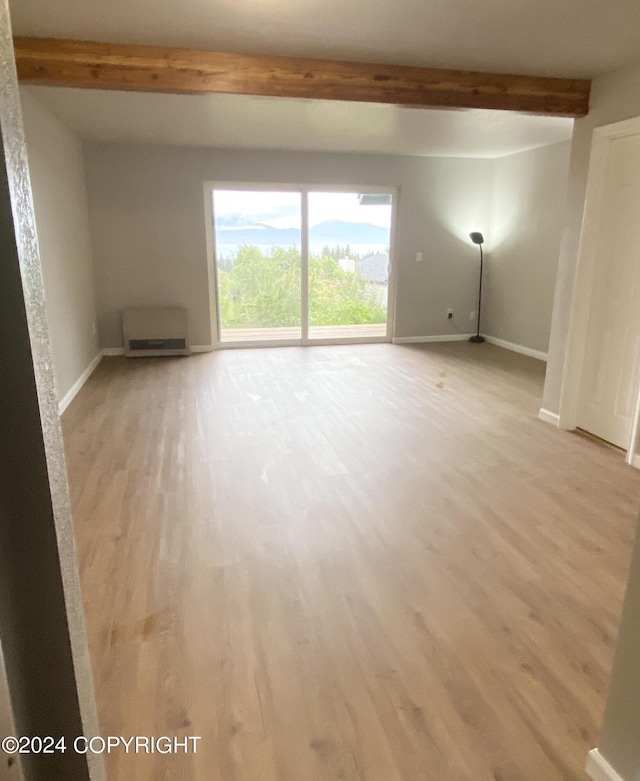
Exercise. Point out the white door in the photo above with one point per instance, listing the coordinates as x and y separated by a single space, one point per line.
611 371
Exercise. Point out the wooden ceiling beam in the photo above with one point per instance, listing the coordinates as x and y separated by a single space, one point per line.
86 64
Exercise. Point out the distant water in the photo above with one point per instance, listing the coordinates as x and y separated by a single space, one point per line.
227 250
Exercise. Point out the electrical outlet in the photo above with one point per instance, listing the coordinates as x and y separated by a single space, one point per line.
418 257
94 328
472 315
449 314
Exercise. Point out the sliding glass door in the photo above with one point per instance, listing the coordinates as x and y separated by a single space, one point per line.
301 265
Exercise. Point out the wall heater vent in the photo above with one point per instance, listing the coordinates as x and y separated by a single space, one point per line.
155 331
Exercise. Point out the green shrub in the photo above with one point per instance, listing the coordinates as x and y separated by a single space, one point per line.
263 291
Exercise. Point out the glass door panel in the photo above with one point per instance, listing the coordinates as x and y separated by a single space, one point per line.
349 247
258 241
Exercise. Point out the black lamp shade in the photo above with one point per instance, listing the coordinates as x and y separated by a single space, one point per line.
476 237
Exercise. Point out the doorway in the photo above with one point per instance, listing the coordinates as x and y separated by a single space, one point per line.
602 381
300 264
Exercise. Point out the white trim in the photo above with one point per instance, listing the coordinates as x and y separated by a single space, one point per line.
516 348
304 265
439 338
633 444
70 395
584 281
394 265
212 275
109 351
202 348
598 769
635 461
549 417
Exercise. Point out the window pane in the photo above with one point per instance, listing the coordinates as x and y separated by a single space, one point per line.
258 246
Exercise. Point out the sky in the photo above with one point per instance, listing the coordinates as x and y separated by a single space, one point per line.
282 210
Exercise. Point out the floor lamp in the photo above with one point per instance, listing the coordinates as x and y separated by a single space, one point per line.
477 238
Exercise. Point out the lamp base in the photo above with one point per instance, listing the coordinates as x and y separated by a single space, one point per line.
477 339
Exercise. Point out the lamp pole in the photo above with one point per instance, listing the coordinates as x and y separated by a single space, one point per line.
478 239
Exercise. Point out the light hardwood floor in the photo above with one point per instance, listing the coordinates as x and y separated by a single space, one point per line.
365 563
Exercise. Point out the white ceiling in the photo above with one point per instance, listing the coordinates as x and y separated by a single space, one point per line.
279 123
555 37
572 38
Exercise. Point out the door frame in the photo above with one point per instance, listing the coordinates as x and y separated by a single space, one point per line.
583 291
304 190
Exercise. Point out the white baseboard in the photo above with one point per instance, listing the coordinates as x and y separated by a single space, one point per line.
598 769
70 395
549 417
195 348
441 338
516 348
635 461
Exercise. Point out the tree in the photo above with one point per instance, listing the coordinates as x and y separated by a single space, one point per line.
258 290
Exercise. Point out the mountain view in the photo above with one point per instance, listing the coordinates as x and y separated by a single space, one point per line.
329 232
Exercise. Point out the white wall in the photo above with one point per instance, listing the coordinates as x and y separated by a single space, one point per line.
620 737
526 224
148 226
59 191
614 97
